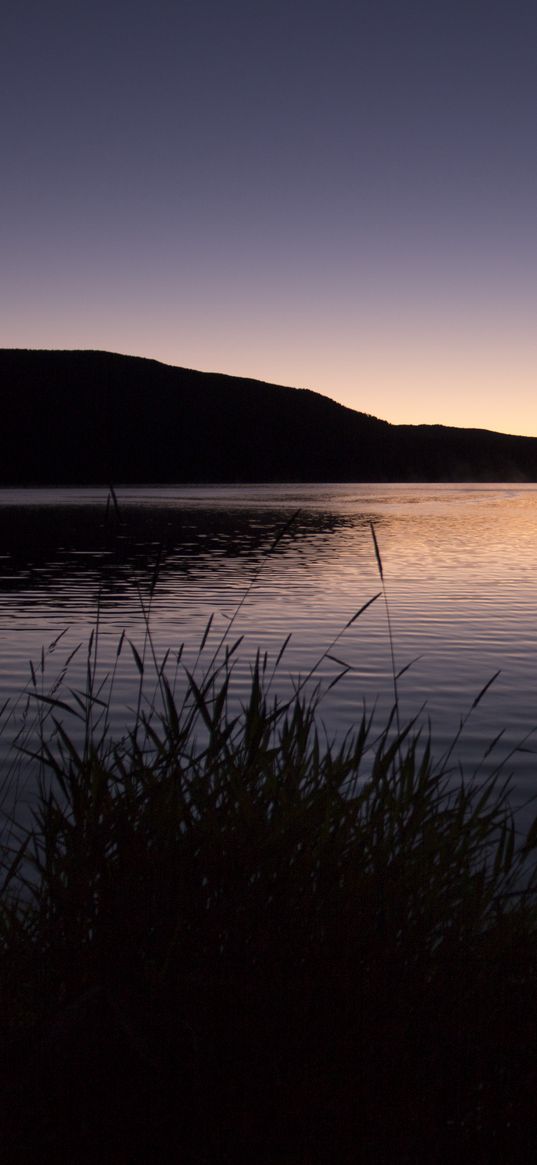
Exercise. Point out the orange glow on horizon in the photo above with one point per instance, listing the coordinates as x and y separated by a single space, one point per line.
471 378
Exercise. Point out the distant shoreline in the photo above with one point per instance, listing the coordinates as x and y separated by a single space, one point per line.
92 418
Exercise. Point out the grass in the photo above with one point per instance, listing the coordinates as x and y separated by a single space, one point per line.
226 939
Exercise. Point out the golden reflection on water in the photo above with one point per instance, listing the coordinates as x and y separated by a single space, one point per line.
459 566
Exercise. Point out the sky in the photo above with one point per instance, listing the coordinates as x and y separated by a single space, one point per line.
329 194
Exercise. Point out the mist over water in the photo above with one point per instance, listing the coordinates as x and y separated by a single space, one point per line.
459 565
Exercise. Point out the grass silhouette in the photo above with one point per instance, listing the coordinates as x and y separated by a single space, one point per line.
225 938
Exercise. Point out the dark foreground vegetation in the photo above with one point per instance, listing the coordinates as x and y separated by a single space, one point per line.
97 417
225 940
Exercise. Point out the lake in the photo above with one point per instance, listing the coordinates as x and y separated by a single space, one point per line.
459 566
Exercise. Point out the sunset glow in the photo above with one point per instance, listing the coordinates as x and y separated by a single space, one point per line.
333 197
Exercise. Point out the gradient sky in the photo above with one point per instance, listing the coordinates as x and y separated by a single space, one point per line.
334 195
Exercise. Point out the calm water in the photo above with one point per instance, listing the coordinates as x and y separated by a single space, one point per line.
460 567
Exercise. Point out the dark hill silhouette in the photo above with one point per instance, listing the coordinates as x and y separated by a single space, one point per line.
97 417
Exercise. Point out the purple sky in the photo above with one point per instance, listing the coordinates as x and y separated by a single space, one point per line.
327 194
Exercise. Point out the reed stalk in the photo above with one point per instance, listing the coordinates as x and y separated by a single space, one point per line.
225 937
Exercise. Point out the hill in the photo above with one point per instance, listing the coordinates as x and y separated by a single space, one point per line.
96 417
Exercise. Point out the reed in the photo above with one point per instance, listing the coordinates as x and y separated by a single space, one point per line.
227 938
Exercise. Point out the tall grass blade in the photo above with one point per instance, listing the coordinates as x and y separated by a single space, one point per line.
485 689
360 611
137 658
206 633
117 511
377 551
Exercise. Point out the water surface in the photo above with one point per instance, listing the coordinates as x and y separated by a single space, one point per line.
459 563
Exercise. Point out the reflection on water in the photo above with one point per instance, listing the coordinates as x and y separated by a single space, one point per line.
459 564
